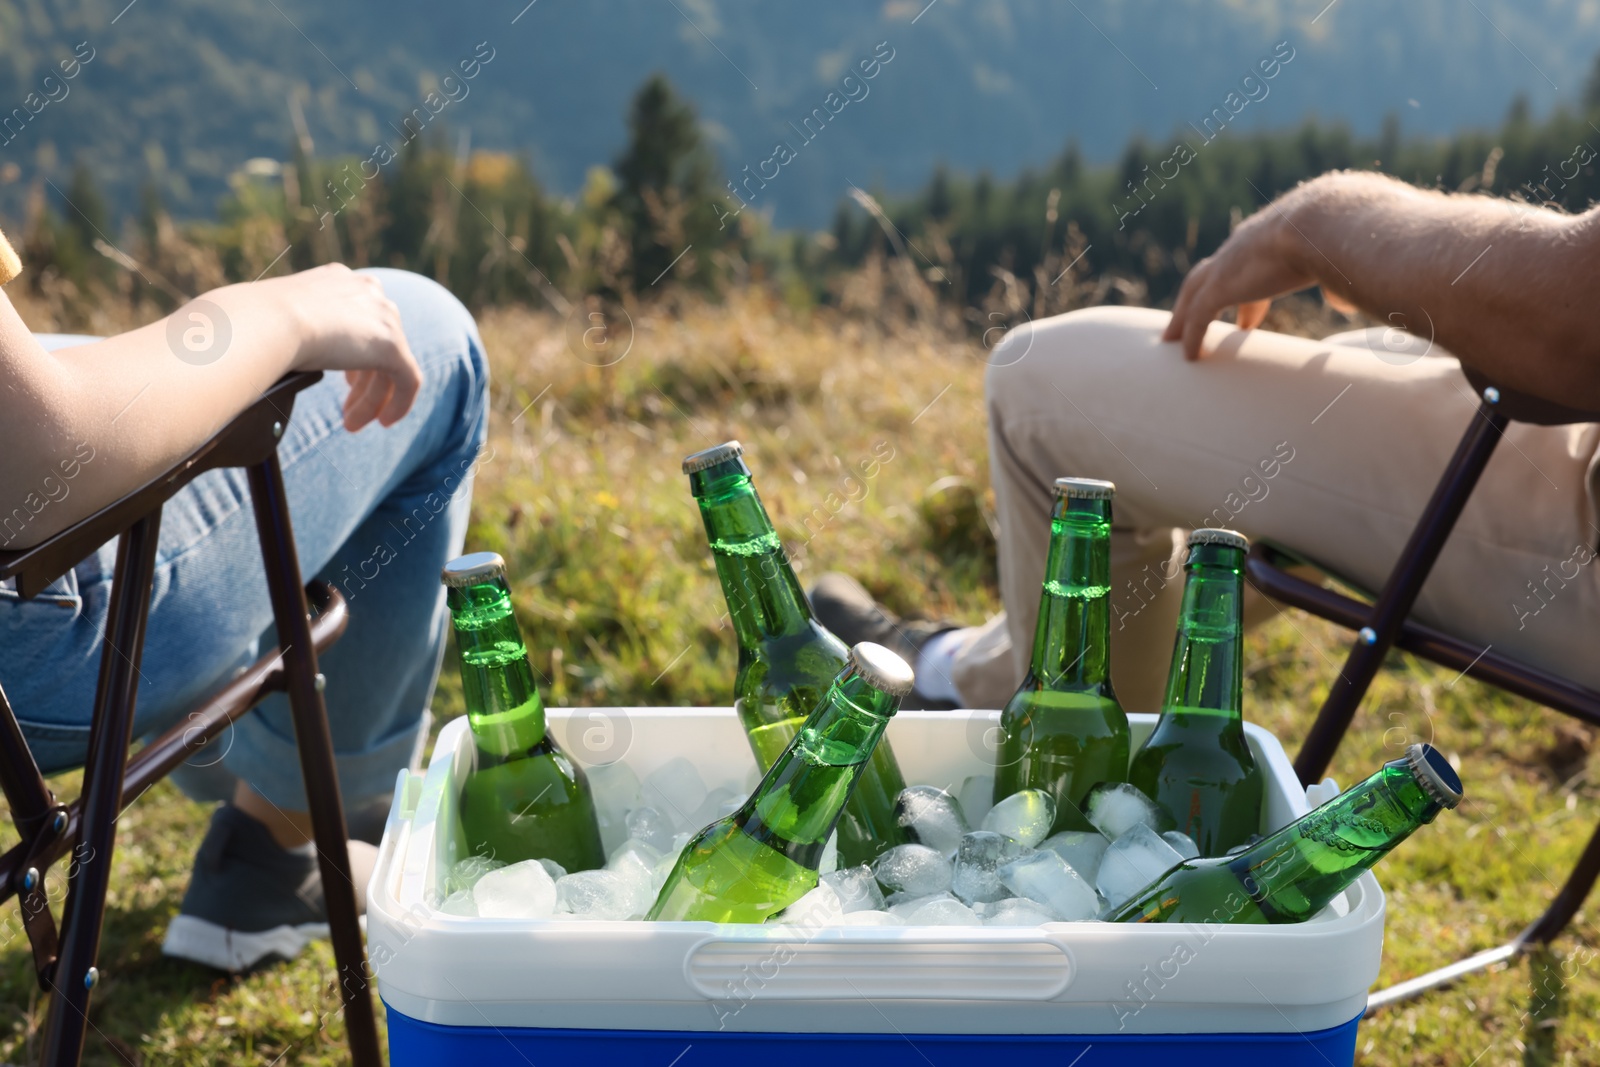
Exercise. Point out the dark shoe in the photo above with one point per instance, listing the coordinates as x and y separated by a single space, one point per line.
250 900
365 819
210 781
843 606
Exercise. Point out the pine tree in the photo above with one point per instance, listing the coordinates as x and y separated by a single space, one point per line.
84 220
667 194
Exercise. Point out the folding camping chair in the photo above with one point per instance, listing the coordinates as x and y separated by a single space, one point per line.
1384 624
49 830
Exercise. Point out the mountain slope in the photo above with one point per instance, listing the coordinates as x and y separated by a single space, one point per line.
186 90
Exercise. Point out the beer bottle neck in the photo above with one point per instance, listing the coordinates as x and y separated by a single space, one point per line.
763 595
1072 641
1297 871
798 802
1207 674
502 697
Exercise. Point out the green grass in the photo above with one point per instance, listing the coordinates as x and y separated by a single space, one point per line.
583 496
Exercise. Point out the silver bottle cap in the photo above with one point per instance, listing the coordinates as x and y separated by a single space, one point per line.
1227 538
710 457
475 568
1434 773
1085 489
882 669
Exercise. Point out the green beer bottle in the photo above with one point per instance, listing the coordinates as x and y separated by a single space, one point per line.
1289 876
762 858
1063 731
1196 764
526 799
786 658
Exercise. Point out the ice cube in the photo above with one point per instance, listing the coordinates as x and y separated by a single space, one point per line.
676 790
521 891
651 827
459 903
1133 861
933 816
1116 808
719 803
870 918
830 855
615 789
605 894
913 869
465 873
1082 849
1044 877
663 870
552 868
943 912
1016 912
903 904
819 907
1236 849
857 889
1182 843
635 860
1023 816
976 876
976 797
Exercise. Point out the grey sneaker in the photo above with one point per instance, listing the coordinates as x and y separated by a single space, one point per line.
844 606
211 781
249 900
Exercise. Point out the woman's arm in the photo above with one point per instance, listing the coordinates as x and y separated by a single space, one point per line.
139 402
1507 288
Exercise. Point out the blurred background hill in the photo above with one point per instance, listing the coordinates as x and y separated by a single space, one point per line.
182 92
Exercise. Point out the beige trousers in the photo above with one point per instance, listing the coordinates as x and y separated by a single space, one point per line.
1331 448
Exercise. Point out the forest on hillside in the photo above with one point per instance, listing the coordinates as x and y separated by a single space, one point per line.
659 218
178 94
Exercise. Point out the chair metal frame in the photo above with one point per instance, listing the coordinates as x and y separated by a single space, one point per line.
1384 624
49 829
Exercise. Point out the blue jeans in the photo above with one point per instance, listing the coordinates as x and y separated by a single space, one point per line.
375 513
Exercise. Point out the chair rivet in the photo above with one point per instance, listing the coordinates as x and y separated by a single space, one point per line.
59 824
321 682
90 977
1368 635
1492 395
30 878
277 430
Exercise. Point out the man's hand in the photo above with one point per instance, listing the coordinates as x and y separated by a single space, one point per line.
1265 258
1505 287
345 322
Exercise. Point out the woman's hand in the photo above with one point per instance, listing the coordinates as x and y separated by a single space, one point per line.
345 322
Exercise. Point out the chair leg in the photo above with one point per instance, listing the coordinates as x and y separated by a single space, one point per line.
304 685
27 795
1543 930
1548 926
90 876
40 822
1400 593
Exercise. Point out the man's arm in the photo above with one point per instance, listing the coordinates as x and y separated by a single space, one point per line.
137 403
1507 288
